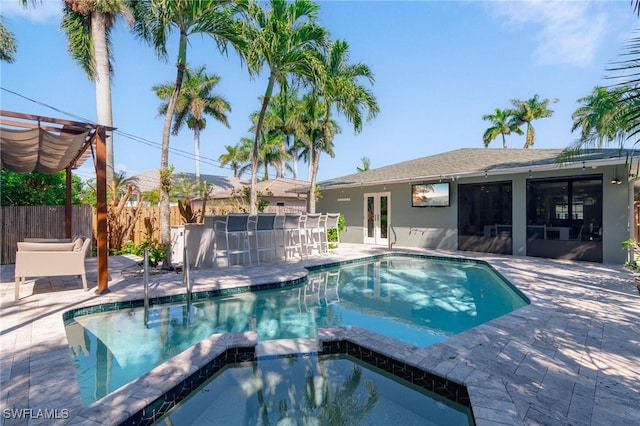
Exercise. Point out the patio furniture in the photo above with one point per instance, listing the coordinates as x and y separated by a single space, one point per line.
292 229
264 229
236 226
331 222
312 233
50 259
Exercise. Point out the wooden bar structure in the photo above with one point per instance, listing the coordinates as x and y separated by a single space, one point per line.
94 146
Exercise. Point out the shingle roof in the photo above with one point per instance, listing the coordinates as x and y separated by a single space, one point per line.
473 162
223 185
281 187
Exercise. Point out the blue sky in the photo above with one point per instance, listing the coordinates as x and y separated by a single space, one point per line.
439 67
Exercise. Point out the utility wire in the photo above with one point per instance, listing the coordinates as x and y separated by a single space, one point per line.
135 138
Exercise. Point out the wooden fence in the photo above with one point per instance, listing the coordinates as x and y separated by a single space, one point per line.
20 222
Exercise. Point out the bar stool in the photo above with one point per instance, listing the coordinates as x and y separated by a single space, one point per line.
331 222
312 233
265 225
236 225
292 233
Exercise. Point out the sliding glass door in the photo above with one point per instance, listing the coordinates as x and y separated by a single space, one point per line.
485 217
564 218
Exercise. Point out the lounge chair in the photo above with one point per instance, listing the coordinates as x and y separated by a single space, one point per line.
50 259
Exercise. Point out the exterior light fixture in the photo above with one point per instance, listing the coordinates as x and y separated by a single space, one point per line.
615 180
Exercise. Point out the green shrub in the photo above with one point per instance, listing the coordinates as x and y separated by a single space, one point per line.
332 235
156 251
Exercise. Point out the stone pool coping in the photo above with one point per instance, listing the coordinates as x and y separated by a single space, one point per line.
569 357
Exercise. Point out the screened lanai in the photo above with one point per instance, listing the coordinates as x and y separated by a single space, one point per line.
49 145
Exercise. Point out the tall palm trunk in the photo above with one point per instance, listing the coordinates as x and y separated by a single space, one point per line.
253 196
294 158
315 164
165 175
316 151
103 83
283 161
530 136
196 147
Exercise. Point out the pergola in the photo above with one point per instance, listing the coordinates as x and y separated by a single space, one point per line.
49 145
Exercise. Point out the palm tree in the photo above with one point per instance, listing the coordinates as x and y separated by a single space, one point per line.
8 47
274 153
366 164
237 157
503 124
527 111
338 87
601 115
154 22
599 126
630 83
195 100
282 36
279 124
88 26
283 116
312 121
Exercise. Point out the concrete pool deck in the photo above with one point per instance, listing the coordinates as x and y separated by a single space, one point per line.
572 357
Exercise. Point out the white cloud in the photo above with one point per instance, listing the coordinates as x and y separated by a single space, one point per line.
46 11
566 32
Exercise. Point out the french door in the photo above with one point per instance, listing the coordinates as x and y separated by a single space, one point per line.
377 217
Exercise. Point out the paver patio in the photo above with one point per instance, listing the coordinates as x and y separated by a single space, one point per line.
569 358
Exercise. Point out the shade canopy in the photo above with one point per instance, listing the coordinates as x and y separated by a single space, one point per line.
24 151
44 144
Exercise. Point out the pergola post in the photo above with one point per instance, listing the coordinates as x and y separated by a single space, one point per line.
68 204
101 210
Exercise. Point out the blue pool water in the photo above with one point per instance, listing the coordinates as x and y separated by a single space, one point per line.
312 390
418 300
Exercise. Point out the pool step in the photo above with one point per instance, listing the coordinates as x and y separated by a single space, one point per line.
287 346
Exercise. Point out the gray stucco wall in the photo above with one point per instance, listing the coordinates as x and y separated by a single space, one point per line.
436 227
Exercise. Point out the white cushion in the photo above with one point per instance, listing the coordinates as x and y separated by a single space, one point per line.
23 246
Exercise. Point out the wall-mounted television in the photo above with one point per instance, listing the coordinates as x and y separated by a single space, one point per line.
430 194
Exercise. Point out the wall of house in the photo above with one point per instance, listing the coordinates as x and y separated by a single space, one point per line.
429 227
436 227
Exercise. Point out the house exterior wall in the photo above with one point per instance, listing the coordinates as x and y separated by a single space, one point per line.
436 227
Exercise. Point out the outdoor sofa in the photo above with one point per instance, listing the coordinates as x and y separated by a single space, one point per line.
49 258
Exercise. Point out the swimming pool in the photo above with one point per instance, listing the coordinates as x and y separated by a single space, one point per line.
313 390
416 299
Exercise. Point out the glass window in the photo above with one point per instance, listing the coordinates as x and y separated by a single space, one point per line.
570 209
485 209
485 217
565 209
